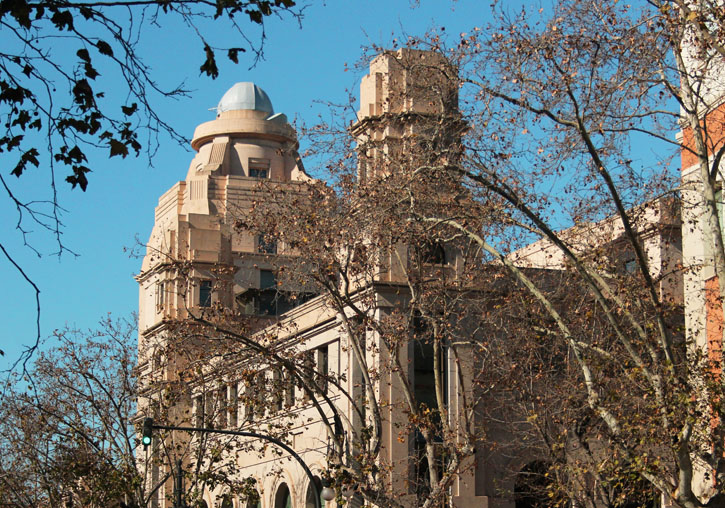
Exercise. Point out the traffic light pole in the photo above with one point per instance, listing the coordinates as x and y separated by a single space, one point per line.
241 433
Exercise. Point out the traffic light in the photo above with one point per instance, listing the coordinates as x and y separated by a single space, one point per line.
147 432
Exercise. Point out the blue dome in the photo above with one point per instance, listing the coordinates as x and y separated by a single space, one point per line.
245 95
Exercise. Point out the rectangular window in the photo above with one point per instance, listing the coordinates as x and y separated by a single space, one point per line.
308 374
266 246
424 385
160 295
278 389
267 293
249 401
289 390
267 279
258 168
260 395
208 409
205 293
233 406
199 411
323 361
221 417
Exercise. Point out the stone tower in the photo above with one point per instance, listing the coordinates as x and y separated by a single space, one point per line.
409 120
239 153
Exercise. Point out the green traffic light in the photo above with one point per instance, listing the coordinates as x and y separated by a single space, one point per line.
147 431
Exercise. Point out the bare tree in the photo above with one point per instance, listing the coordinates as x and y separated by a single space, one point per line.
559 105
70 433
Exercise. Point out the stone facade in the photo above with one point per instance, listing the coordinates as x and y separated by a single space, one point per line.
196 259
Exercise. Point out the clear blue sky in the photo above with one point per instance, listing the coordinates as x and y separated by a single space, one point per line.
302 66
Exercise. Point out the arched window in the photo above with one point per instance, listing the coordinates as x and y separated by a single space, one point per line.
283 499
250 495
310 498
433 253
253 500
227 501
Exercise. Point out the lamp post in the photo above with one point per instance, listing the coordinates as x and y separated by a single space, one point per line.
148 423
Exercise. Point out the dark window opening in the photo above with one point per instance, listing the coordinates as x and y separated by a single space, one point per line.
250 495
266 245
268 300
283 499
278 394
233 408
421 471
310 498
289 390
222 402
258 168
424 384
631 266
433 253
205 288
323 361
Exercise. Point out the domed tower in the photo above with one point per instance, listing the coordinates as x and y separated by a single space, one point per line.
194 257
196 262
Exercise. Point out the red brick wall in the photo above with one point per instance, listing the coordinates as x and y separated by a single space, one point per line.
715 130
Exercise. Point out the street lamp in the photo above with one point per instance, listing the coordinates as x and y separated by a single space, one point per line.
327 493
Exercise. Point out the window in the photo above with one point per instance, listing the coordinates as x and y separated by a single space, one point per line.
208 409
250 402
221 416
311 489
250 495
308 370
160 295
258 168
278 392
283 499
205 293
199 411
266 246
289 390
267 279
631 266
323 358
268 293
433 253
232 409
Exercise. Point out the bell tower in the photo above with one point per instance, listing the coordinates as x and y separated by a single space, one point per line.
408 135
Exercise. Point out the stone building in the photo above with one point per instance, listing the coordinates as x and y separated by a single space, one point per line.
197 261
200 265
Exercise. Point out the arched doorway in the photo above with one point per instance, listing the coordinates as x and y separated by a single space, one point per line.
310 497
283 499
227 501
